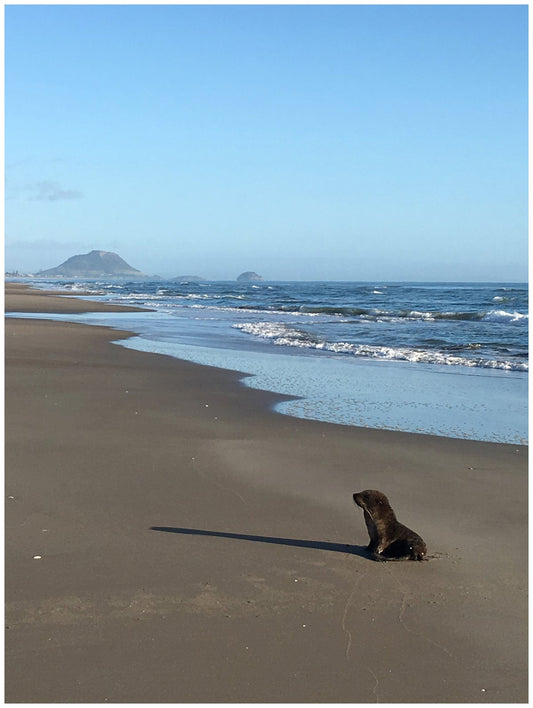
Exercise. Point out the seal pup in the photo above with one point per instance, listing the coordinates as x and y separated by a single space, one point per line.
389 539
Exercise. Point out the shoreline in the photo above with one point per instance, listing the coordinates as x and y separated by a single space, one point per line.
195 545
391 396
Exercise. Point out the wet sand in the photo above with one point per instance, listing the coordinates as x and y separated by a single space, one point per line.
169 538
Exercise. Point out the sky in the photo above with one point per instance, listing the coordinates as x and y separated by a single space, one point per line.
303 142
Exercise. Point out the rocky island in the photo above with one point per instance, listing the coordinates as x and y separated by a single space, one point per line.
249 277
96 264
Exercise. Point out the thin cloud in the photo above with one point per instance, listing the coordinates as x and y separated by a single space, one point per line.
52 192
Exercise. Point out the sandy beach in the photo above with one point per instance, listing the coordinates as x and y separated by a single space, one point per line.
170 538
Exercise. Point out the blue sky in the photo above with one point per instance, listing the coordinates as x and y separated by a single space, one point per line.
305 142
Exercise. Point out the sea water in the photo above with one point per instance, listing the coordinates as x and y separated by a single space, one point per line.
437 358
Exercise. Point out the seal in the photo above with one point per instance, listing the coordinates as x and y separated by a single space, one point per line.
389 539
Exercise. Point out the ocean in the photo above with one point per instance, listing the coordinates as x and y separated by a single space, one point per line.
437 358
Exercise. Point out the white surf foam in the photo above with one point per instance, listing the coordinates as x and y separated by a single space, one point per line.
284 335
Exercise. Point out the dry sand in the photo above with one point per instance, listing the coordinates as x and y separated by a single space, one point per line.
170 539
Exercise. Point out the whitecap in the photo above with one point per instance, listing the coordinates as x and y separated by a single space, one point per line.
504 316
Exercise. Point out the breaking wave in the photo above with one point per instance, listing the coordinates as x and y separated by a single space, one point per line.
283 335
376 314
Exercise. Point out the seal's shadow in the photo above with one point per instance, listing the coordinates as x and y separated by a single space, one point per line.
300 543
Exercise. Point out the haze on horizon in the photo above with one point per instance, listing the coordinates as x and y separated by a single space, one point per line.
348 142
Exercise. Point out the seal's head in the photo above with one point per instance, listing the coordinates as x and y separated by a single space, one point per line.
371 499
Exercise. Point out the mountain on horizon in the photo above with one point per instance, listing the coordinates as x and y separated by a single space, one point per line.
95 264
